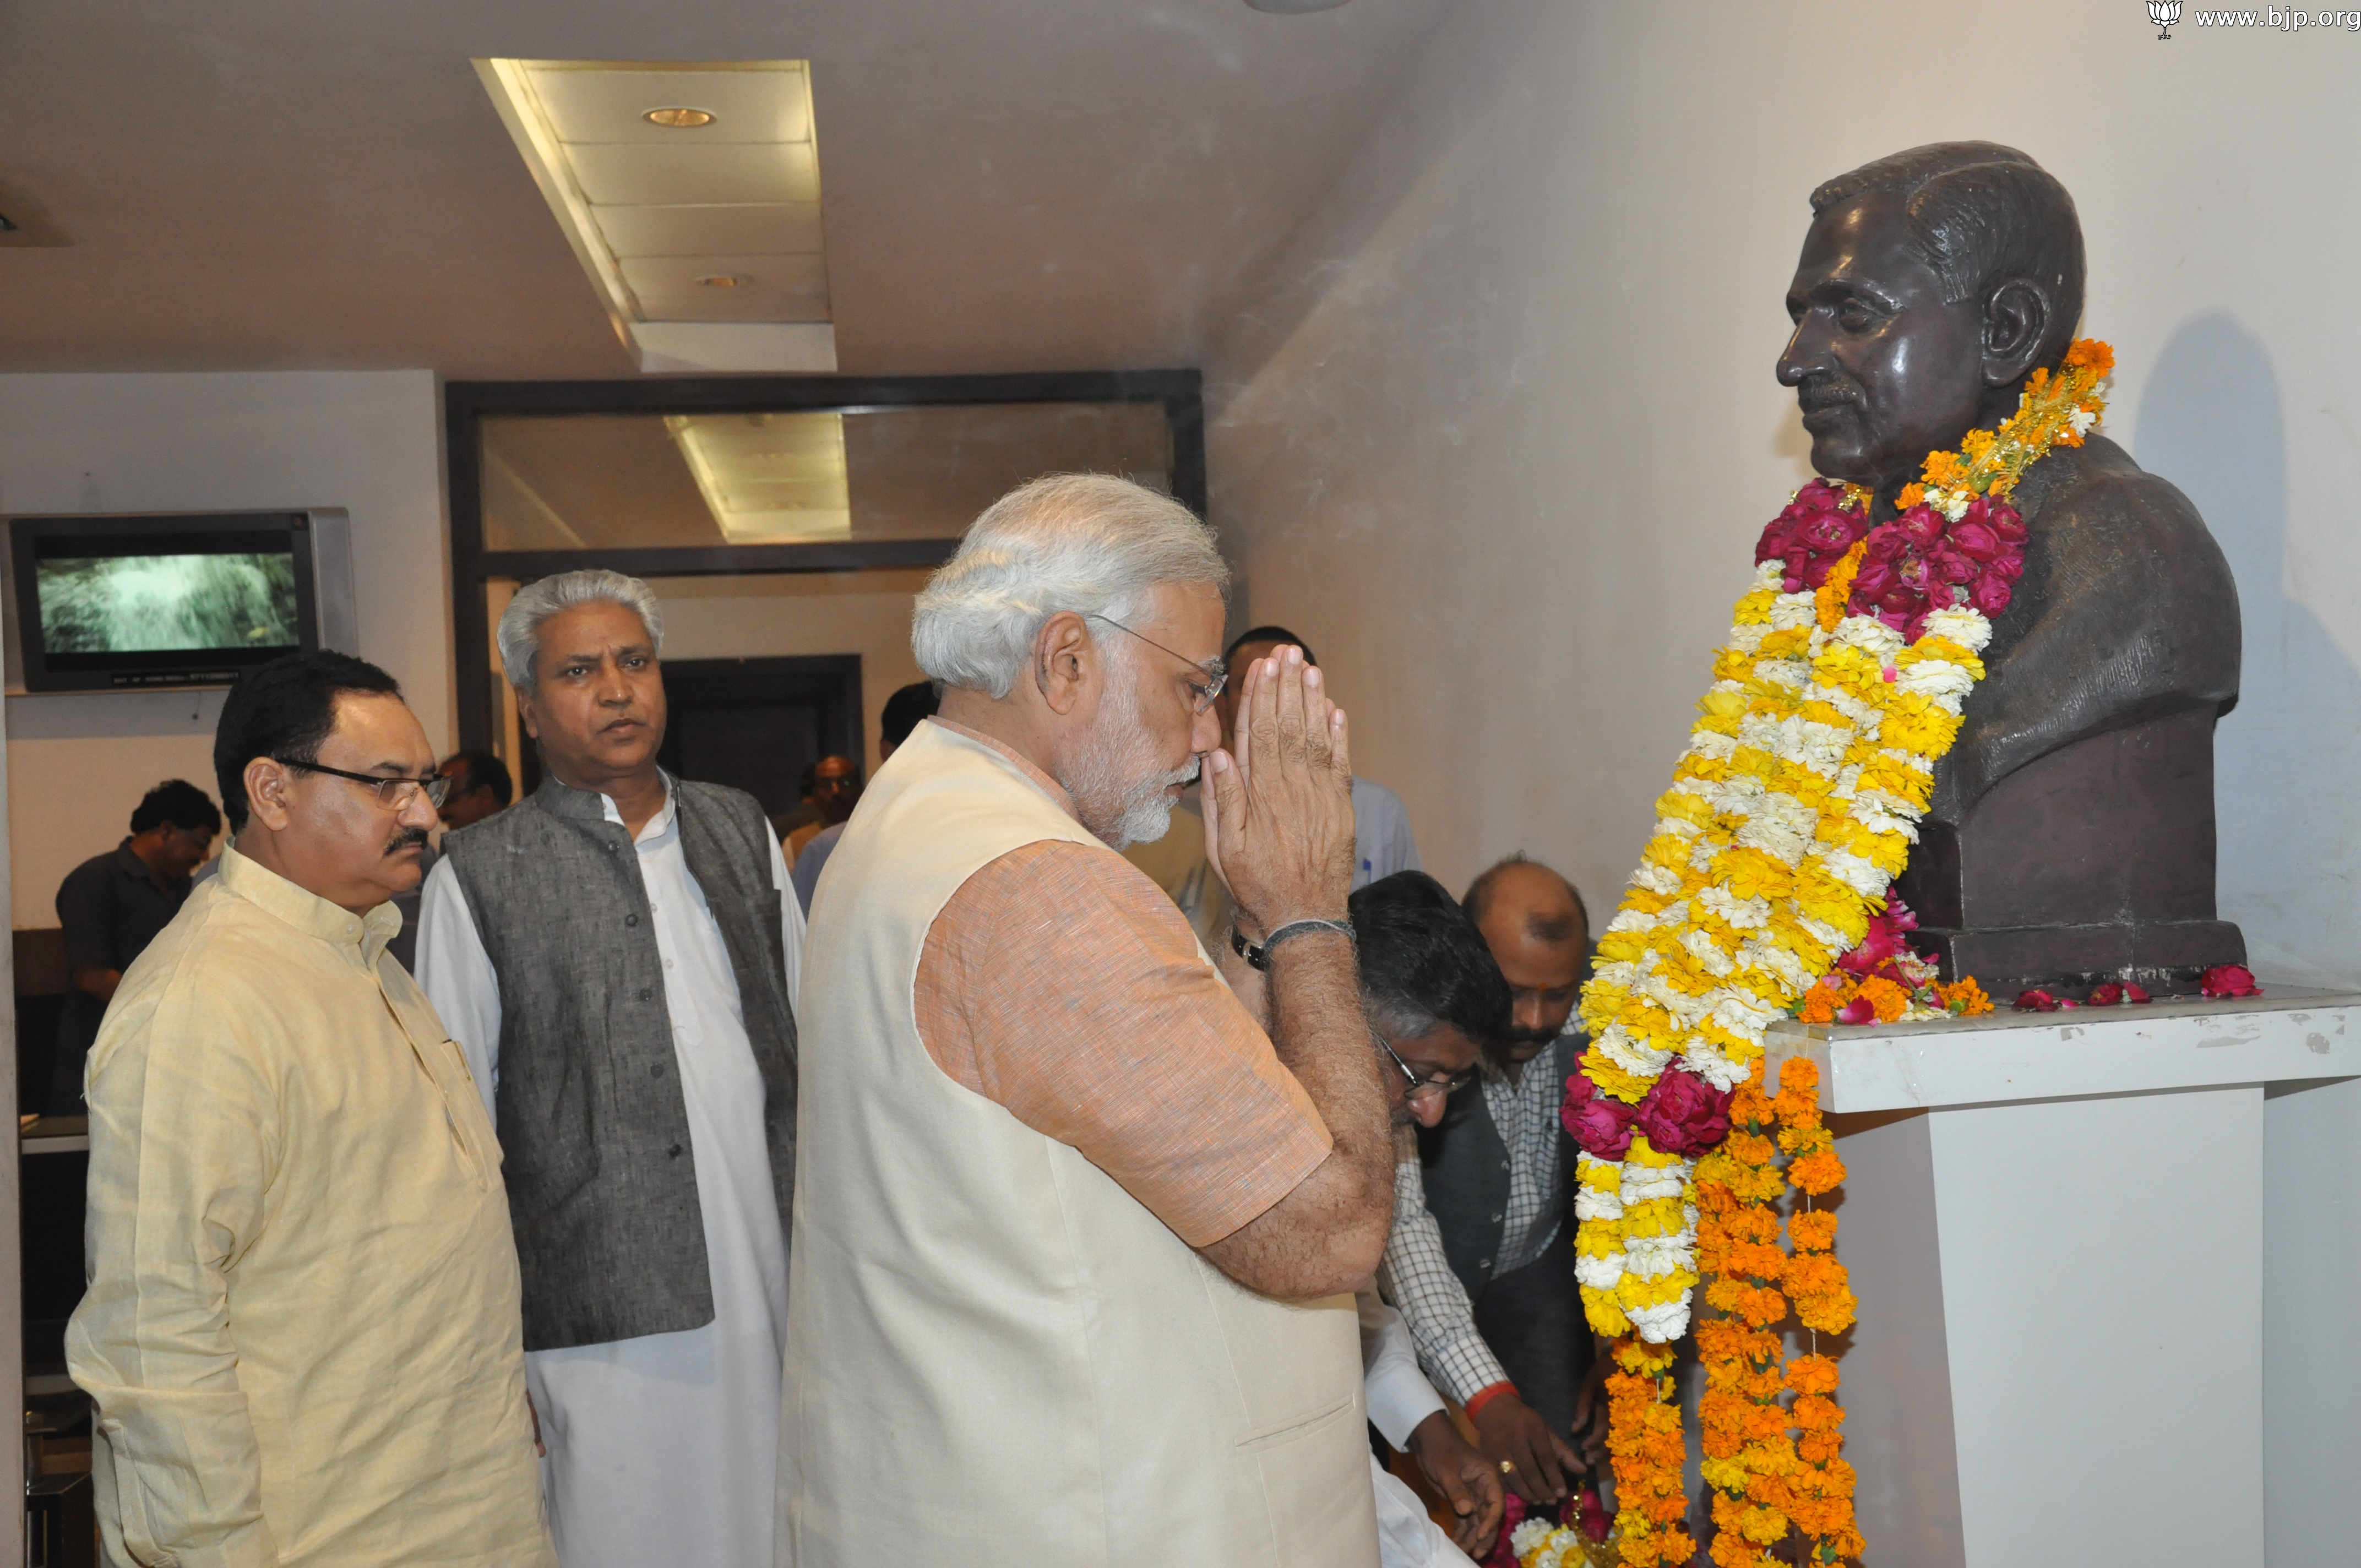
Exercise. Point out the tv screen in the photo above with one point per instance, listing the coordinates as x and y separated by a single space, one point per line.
140 602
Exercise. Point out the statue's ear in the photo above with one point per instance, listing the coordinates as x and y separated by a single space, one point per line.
2017 323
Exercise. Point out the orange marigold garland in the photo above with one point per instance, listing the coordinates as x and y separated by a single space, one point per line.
1644 1420
1749 1456
1822 1495
1775 1469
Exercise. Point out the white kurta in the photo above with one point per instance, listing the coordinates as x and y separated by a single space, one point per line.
662 1449
1399 1397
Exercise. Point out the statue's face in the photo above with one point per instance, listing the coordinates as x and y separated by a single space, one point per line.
1884 372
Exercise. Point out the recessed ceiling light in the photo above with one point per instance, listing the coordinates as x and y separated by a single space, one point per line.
1293 7
731 195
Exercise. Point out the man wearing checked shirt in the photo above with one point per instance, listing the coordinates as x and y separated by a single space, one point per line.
1481 1261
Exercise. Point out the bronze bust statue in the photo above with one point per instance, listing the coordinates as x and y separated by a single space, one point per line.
2070 839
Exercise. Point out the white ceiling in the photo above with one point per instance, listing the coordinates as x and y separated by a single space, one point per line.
1007 184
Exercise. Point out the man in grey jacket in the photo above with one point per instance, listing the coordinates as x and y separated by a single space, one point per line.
616 958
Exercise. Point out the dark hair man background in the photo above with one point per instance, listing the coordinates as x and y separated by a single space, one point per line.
1382 843
111 906
904 711
806 811
909 707
479 786
1481 1258
833 790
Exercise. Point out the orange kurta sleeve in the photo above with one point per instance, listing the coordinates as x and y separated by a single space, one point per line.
1061 983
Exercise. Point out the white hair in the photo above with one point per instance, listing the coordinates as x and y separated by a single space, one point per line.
1088 544
520 634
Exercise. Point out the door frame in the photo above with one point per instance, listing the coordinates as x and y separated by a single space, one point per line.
466 404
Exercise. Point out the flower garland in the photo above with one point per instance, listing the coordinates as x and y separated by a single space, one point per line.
1577 1537
2220 981
1766 1482
1882 980
1790 812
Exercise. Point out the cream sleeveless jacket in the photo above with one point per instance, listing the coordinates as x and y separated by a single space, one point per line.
995 1355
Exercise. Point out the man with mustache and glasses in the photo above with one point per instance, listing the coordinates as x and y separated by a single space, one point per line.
1481 1258
1076 1238
301 1325
1434 1000
617 956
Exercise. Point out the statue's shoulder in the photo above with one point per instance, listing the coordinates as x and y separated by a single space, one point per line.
2099 483
2095 499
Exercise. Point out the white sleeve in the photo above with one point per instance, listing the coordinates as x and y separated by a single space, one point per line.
1398 1394
1382 843
1407 1536
791 928
457 976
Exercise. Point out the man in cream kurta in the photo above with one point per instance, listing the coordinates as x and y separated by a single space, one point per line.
301 1328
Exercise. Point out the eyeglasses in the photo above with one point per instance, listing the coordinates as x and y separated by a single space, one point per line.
391 794
1419 1087
1217 672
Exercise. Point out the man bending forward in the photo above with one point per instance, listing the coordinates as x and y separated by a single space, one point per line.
1074 1244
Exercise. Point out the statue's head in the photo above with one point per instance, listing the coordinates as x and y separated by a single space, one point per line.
1931 283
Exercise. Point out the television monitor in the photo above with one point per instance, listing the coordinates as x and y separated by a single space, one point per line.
138 603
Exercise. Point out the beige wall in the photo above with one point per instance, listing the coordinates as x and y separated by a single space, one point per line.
866 613
1498 438
369 443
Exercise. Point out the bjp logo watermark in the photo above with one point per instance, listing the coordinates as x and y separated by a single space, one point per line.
2164 13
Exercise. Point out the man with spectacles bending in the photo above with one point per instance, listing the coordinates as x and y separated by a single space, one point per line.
1481 1259
301 1325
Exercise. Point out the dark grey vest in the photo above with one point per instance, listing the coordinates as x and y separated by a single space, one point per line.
1463 1163
602 1183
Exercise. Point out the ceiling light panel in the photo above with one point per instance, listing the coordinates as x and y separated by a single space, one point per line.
629 174
768 229
769 478
771 288
590 103
652 206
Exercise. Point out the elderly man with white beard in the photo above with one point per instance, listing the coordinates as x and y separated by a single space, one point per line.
1075 1238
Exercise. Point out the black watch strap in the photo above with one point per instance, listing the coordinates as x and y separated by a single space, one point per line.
1257 956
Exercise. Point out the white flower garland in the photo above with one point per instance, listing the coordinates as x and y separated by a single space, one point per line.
1792 810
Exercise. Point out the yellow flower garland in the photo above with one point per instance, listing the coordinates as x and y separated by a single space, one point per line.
1792 810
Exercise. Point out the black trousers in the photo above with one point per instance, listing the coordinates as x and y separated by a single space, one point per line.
1533 1320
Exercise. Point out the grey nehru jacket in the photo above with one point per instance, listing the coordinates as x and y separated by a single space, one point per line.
602 1180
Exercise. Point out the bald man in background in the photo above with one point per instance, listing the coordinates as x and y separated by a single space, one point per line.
1481 1261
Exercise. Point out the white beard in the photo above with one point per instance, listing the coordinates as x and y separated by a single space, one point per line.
1110 794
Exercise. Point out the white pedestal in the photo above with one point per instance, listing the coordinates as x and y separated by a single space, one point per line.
2109 1263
